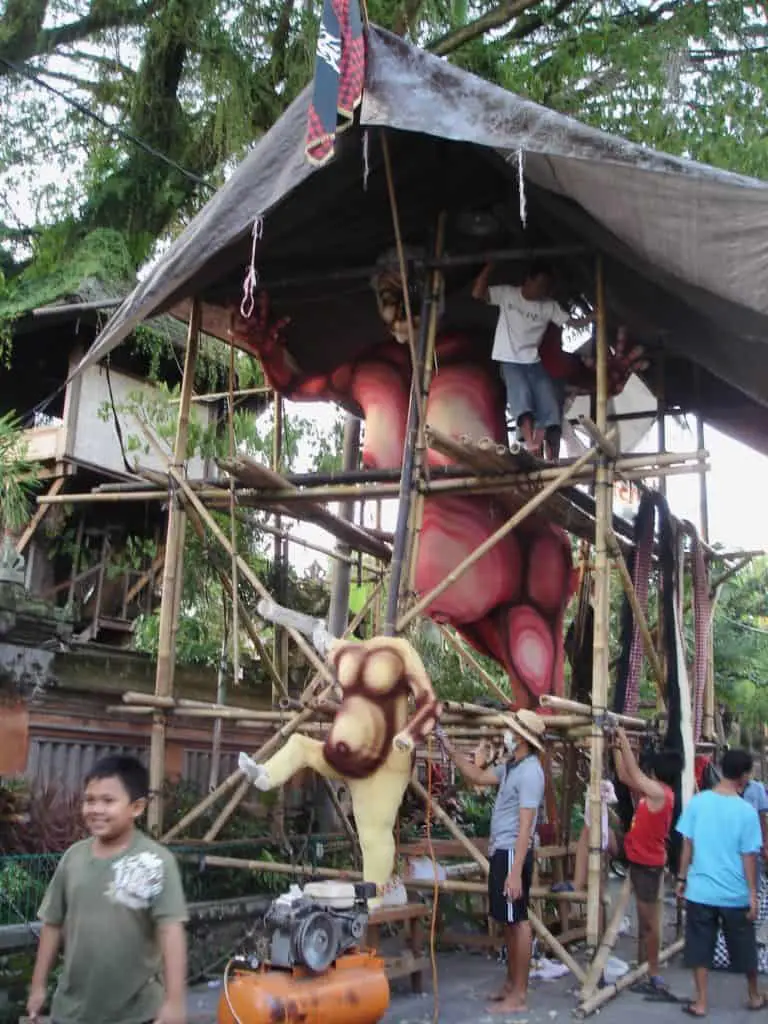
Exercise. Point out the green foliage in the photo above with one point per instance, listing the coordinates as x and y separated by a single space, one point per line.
452 678
17 481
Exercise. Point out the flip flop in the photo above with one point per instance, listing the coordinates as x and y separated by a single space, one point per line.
690 1012
760 1006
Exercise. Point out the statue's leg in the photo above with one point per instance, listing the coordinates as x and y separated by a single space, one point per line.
376 802
298 753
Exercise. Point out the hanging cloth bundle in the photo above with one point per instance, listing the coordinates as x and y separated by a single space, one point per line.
702 616
339 77
579 642
626 692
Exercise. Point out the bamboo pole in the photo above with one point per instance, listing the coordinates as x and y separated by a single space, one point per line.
437 812
631 467
530 506
171 582
602 577
595 970
474 664
629 979
577 708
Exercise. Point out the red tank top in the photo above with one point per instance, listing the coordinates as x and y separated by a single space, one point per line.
646 841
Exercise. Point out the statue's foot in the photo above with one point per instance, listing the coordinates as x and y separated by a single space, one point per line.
393 894
256 773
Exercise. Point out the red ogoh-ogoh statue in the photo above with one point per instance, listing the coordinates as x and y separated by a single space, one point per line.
510 604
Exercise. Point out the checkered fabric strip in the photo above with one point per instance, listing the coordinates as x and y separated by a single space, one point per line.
641 577
702 613
721 961
347 81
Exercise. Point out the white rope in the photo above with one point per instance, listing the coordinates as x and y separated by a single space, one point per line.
251 282
521 187
366 164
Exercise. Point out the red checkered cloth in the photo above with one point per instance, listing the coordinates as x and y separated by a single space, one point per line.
641 577
702 617
339 77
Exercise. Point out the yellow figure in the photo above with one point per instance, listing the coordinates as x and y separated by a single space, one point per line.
370 745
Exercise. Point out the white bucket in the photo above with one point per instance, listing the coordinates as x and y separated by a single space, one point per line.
614 969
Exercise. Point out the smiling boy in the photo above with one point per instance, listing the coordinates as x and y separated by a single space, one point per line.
117 904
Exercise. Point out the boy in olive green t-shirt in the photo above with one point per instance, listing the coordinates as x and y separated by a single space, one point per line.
116 902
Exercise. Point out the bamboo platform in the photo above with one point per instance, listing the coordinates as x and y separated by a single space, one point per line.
253 474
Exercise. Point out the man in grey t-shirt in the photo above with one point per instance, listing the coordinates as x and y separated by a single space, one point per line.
521 790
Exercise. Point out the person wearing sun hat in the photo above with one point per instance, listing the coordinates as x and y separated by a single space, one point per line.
520 782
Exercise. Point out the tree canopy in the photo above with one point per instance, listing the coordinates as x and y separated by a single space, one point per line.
157 99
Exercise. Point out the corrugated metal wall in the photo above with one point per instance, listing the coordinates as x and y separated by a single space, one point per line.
66 763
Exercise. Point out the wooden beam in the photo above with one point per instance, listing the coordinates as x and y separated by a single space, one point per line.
38 517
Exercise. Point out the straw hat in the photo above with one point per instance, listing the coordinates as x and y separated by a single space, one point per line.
529 726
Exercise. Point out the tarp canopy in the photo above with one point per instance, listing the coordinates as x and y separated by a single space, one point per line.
684 246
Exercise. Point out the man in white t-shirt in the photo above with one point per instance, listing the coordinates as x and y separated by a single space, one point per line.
524 313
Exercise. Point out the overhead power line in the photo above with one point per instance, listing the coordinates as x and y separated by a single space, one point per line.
25 72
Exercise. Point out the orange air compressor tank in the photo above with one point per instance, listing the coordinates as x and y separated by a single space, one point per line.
355 990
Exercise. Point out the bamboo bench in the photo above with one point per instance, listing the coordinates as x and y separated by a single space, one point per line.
413 961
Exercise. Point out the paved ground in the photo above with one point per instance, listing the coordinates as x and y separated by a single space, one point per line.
465 980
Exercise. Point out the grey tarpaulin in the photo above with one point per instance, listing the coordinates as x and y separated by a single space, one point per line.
685 245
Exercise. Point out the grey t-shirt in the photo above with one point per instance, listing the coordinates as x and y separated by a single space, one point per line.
521 787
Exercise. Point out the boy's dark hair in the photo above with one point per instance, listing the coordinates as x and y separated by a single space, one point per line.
736 763
667 765
132 774
539 267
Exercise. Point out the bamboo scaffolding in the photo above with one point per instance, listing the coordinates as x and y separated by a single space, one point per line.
576 708
601 576
171 592
595 969
629 979
631 468
530 506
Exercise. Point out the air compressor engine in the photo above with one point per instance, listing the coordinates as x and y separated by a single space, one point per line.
316 971
314 928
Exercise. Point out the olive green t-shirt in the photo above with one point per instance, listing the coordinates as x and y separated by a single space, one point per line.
109 910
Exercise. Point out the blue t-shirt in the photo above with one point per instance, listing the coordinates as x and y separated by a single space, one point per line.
722 829
755 795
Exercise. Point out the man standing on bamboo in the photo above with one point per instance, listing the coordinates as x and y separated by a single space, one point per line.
520 782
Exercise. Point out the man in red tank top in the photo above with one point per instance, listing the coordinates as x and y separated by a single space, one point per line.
645 844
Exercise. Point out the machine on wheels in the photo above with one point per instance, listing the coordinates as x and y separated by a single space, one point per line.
317 970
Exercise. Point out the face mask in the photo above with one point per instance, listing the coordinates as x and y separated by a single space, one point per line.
510 741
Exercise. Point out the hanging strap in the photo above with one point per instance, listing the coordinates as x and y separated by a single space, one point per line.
339 77
626 693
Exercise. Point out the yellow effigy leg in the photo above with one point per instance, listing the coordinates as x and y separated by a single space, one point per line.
298 753
376 802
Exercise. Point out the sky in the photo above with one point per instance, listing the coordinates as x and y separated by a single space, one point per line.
737 490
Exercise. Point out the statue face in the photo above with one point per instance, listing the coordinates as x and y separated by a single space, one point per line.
390 299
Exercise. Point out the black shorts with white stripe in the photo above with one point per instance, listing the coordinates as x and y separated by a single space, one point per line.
500 908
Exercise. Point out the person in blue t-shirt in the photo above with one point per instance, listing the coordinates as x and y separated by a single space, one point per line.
718 878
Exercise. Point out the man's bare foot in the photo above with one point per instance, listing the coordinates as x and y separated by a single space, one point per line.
503 993
512 1004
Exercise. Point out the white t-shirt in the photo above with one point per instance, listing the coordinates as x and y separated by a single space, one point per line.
521 324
